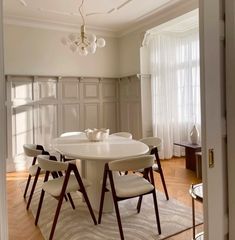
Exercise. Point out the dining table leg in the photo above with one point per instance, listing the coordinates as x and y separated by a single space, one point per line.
94 174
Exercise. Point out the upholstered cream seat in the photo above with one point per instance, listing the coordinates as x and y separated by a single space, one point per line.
61 186
33 150
130 186
154 144
54 187
123 134
124 187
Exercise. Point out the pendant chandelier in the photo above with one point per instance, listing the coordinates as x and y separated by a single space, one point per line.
83 43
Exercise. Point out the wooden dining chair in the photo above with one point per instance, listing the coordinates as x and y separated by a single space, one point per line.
129 186
33 150
154 143
59 187
123 134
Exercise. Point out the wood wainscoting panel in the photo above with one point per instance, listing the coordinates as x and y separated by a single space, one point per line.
91 115
70 89
71 117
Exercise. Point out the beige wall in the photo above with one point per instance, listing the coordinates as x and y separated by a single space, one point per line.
39 51
33 51
129 57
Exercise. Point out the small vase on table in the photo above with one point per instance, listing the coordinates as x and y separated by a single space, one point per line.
194 135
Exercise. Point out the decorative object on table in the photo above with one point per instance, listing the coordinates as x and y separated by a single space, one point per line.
82 42
97 135
194 135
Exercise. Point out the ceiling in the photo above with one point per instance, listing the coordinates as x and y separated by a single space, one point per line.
111 15
181 24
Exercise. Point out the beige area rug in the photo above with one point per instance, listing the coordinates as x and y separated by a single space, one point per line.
78 225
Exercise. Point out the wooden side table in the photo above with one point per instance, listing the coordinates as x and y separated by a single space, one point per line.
190 157
196 192
198 164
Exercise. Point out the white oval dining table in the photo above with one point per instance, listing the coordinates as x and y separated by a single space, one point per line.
94 155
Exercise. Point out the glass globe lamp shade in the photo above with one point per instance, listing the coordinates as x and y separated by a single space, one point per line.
100 42
82 51
91 48
91 37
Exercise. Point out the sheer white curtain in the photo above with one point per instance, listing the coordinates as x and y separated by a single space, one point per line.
174 67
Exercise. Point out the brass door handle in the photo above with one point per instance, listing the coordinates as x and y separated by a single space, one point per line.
211 158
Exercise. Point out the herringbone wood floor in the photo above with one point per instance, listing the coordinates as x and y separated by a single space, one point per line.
21 222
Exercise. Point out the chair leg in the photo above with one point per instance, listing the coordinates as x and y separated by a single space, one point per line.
33 187
101 205
102 196
116 204
156 212
118 218
39 207
83 191
57 213
89 206
61 197
27 185
139 204
164 184
41 199
71 200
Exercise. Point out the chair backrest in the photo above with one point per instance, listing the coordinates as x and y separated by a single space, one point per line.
33 150
71 134
152 142
123 134
45 162
131 164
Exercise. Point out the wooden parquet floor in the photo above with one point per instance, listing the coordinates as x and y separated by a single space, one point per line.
21 222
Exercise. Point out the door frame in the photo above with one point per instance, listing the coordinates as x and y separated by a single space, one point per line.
212 55
3 138
230 100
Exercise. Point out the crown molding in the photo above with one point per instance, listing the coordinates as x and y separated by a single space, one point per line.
55 25
166 13
158 16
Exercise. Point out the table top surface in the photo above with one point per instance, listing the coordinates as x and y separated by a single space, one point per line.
114 147
187 144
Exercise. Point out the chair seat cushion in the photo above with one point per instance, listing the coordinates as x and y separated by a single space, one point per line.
130 186
33 169
54 186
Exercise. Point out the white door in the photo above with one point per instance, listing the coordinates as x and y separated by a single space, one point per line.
230 100
213 119
3 127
